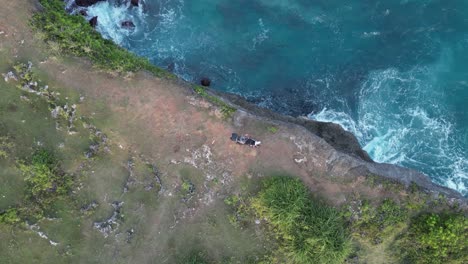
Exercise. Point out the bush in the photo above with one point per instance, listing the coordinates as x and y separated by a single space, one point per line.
5 147
10 216
375 223
307 230
436 238
73 34
43 178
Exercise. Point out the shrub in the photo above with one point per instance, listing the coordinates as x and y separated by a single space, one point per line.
436 238
5 147
10 216
73 35
307 230
43 178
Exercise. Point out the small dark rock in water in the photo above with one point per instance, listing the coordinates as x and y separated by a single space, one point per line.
171 67
93 21
205 82
128 24
87 3
134 2
83 12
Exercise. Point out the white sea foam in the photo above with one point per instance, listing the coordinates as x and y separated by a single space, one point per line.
400 120
110 18
262 36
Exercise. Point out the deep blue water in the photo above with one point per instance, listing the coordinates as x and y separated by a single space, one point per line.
395 73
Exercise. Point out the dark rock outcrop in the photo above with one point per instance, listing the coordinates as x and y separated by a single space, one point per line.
87 3
83 12
93 21
134 2
128 24
205 82
332 133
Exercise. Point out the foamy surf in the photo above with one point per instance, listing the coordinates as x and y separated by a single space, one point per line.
400 121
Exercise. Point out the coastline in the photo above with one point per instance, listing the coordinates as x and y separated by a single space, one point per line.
344 142
152 174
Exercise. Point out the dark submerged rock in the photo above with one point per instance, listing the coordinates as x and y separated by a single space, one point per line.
205 82
134 2
93 22
87 3
128 24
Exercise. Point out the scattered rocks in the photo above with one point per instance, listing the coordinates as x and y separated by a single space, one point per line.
68 113
205 82
157 178
9 75
89 207
131 179
35 228
93 21
130 234
99 138
109 225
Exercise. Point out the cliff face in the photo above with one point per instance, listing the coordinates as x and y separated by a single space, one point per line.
342 153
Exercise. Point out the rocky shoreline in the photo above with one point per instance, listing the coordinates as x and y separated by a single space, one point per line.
348 159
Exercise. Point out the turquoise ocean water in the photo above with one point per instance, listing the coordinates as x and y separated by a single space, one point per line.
394 72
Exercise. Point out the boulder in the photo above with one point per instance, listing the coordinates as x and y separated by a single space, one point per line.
86 3
205 82
128 24
93 21
83 12
134 2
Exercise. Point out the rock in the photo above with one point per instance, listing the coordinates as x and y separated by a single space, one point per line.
83 12
205 82
93 22
134 2
86 3
9 75
128 24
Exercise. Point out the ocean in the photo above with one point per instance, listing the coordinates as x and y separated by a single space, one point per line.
394 73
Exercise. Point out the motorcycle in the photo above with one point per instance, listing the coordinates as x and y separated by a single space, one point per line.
245 140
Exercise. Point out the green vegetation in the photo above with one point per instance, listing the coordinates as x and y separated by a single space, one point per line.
436 238
307 230
194 258
226 109
10 216
45 183
272 129
375 223
5 147
73 34
44 179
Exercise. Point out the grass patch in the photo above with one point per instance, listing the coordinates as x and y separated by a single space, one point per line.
307 230
45 183
272 129
376 223
5 147
435 238
226 109
73 35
